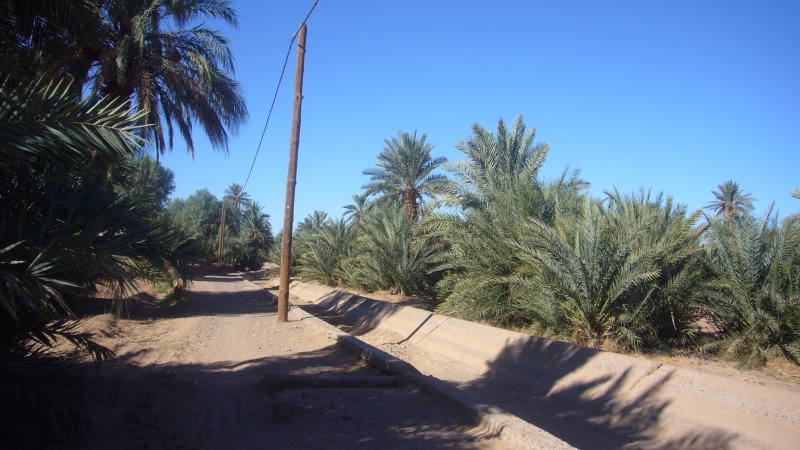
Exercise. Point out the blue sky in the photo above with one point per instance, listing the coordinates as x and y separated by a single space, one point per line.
675 96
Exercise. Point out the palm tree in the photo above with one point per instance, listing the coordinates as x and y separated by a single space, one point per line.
257 227
389 254
360 206
65 229
496 164
256 234
312 223
323 252
236 197
754 302
48 39
496 188
404 171
590 282
730 202
177 77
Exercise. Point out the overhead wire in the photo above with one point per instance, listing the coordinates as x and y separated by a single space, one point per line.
277 89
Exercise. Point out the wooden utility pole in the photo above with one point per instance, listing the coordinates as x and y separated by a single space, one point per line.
291 181
221 253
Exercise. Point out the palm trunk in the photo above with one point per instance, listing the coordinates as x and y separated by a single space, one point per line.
410 203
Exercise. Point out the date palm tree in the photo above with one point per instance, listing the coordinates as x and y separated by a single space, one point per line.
323 252
405 171
176 73
65 228
311 223
754 302
356 210
497 189
616 276
48 39
255 235
730 202
496 164
389 254
237 198
257 227
147 51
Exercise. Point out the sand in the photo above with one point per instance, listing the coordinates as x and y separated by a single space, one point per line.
217 371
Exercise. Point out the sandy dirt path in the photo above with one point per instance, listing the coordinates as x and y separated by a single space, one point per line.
217 371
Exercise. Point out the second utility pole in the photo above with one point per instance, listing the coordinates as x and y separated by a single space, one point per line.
291 181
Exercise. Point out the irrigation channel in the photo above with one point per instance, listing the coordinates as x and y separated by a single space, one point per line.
540 393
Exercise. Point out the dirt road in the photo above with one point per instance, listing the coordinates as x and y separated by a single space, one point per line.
217 371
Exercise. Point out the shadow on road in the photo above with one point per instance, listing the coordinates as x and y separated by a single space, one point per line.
194 302
529 380
233 404
229 405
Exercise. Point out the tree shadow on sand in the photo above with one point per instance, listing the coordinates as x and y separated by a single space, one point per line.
556 387
143 306
230 405
352 313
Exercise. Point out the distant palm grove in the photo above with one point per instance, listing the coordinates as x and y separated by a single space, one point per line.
89 87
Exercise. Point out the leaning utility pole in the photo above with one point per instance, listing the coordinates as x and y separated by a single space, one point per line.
291 180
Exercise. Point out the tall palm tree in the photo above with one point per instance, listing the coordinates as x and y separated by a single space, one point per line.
404 171
354 211
730 202
48 39
176 76
237 198
143 50
496 163
497 189
256 228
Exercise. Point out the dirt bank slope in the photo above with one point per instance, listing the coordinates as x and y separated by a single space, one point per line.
586 397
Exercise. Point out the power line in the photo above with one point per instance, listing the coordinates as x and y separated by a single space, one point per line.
277 88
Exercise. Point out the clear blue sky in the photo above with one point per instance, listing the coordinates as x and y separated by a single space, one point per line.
677 96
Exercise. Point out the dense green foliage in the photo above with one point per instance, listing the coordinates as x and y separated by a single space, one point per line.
148 51
603 279
499 244
404 172
754 299
73 219
248 234
86 87
323 249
